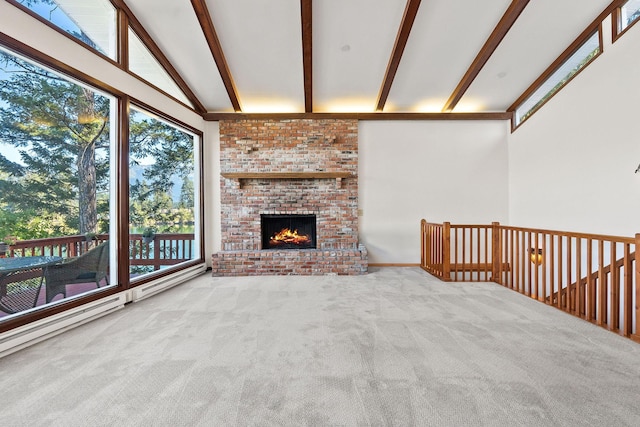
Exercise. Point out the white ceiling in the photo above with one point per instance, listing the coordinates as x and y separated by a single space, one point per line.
352 43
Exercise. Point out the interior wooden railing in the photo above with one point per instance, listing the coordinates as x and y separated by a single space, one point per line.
590 276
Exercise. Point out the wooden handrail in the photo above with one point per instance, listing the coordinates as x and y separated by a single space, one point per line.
592 276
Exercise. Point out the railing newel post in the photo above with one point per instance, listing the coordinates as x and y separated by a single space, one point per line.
635 332
446 251
496 253
423 244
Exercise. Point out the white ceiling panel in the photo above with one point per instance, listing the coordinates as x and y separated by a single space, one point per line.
174 27
444 41
352 44
262 42
543 31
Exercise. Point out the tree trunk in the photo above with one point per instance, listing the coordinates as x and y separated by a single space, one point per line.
87 189
88 207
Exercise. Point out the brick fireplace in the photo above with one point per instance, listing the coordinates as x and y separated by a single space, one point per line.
300 168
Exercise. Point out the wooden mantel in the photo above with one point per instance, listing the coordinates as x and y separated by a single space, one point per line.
338 176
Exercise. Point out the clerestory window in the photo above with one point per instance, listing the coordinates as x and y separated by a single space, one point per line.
93 22
625 16
145 65
558 77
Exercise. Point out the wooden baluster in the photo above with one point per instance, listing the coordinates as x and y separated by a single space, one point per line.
438 258
455 252
478 253
577 309
543 267
533 267
602 288
590 307
552 269
569 262
512 258
615 290
627 312
559 302
523 265
516 260
470 257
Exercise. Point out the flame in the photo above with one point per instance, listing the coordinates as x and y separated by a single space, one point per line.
288 236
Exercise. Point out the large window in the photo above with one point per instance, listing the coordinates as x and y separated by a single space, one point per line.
93 22
163 208
572 65
56 140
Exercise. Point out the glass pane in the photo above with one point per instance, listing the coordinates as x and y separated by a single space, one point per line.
145 65
55 144
90 21
629 13
162 195
568 69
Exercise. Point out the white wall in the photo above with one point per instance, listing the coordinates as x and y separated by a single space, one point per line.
571 165
452 171
213 230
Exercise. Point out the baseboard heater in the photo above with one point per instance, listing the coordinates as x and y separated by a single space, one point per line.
148 289
33 333
24 336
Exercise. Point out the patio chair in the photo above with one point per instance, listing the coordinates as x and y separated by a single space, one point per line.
90 267
21 294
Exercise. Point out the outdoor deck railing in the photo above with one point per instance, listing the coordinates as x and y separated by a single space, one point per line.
590 276
166 249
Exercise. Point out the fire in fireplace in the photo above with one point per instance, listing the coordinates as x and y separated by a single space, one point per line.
288 231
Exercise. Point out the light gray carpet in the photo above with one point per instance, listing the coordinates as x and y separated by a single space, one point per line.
393 348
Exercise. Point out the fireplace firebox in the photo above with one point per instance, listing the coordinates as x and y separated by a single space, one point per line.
288 231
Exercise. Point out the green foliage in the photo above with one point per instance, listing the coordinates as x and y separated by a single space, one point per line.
60 184
168 156
43 118
148 232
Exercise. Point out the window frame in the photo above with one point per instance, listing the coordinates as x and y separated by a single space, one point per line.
46 61
120 163
198 190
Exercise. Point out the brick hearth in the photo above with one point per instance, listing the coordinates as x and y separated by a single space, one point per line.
308 148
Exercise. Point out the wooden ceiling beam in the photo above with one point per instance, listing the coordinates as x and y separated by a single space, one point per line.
202 12
499 32
155 50
410 12
357 116
307 52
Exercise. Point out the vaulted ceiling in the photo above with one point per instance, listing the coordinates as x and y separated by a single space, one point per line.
362 56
